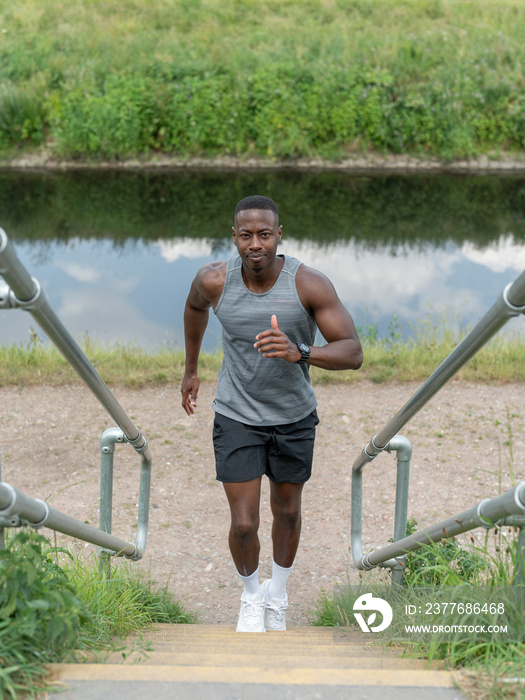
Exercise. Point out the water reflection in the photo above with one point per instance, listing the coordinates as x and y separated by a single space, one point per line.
116 252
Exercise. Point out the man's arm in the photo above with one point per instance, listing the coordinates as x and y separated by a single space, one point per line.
318 296
205 290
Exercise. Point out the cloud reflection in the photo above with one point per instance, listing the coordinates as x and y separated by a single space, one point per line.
81 273
136 296
171 251
373 283
107 316
499 257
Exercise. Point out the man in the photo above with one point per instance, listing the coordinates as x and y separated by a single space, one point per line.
269 306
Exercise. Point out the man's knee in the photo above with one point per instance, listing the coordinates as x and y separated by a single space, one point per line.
288 516
244 528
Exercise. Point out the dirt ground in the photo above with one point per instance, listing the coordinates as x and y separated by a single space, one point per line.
466 443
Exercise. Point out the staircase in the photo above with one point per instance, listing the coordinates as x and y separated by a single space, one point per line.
226 664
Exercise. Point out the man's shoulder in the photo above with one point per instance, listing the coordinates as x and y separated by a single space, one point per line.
211 271
310 275
314 287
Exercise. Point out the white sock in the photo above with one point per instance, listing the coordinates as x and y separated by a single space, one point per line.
252 587
277 587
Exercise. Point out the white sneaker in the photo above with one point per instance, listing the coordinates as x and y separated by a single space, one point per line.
251 616
274 614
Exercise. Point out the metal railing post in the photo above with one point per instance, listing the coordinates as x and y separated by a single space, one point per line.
401 445
107 449
144 494
520 578
108 440
403 450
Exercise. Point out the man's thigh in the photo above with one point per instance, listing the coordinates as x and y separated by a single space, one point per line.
290 453
240 450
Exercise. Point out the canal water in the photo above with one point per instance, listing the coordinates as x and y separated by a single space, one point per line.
116 251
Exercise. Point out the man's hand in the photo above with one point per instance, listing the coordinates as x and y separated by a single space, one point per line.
190 391
275 343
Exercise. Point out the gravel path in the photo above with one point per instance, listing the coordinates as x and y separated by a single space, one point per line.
464 441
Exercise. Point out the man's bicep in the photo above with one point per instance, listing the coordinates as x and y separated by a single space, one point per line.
199 296
196 300
332 318
334 321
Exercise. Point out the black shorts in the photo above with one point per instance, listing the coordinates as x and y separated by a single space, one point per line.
283 452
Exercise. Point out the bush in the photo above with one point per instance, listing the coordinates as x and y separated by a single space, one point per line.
40 614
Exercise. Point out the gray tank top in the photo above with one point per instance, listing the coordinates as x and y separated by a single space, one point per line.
251 388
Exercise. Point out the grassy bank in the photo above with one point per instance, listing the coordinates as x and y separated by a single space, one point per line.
452 608
391 359
54 606
327 77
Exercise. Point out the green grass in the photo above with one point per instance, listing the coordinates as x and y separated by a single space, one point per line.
54 606
387 359
328 77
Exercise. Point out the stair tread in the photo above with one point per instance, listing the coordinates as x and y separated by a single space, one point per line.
299 656
224 632
253 674
259 645
272 661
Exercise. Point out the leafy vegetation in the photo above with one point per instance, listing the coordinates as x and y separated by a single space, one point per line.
432 565
276 79
55 606
40 614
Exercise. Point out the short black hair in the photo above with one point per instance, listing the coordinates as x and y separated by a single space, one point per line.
257 201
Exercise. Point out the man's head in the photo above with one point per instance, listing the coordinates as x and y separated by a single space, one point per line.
256 232
257 201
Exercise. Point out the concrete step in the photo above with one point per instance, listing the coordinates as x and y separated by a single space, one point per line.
267 661
226 634
253 675
281 647
301 656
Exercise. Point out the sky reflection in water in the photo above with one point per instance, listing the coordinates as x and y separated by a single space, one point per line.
135 293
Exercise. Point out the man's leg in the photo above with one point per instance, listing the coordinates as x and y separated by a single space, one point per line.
244 498
285 501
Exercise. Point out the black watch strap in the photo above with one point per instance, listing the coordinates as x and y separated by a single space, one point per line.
305 351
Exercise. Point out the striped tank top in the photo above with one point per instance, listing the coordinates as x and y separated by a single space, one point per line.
251 388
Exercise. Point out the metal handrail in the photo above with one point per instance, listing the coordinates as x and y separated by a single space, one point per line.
486 513
510 303
17 509
26 293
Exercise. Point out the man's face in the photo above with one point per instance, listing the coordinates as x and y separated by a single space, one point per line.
256 235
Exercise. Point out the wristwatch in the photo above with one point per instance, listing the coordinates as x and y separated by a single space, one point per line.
305 351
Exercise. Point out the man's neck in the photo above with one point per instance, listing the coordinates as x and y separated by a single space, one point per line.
259 281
